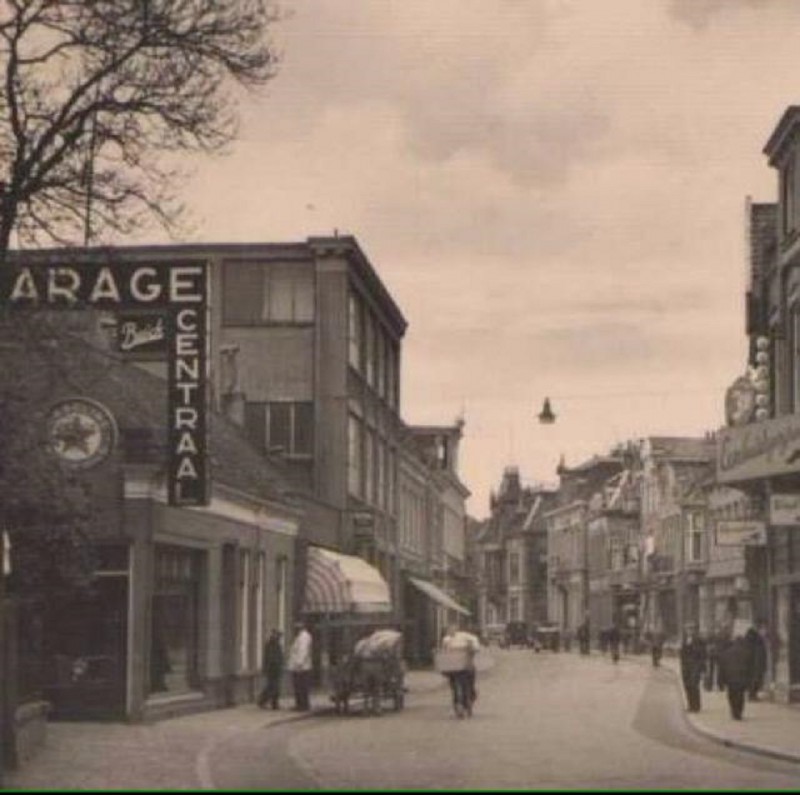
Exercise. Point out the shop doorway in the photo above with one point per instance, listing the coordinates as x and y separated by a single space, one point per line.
794 635
88 644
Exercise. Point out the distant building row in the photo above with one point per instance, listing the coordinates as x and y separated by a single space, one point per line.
666 531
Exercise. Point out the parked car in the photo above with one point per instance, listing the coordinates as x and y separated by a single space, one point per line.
547 636
517 634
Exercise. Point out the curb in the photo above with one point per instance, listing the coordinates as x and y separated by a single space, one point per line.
721 739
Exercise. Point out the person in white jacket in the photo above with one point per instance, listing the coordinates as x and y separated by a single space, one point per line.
299 664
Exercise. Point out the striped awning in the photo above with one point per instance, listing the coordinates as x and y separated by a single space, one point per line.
438 595
337 583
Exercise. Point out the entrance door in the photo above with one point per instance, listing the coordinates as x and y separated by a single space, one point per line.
88 641
794 635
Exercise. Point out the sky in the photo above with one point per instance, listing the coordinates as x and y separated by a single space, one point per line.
553 192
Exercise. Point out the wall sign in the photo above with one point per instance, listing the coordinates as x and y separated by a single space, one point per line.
784 509
758 450
740 533
81 433
175 295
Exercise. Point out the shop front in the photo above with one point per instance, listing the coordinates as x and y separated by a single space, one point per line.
344 599
763 459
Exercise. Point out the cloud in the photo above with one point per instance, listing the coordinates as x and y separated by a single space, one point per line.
699 13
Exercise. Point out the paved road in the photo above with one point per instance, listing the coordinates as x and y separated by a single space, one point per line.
542 721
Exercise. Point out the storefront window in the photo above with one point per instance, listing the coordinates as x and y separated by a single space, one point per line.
174 620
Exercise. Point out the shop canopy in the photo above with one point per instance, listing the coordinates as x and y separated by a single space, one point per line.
438 595
337 583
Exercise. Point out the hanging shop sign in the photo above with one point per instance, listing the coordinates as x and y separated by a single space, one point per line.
758 450
161 307
784 509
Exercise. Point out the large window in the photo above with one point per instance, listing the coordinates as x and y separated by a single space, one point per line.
263 293
354 463
281 426
175 620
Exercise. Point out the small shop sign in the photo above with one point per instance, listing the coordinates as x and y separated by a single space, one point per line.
731 533
784 509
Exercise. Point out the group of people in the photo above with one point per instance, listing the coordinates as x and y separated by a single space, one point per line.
299 665
740 664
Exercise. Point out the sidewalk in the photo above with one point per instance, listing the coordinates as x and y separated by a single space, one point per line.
767 728
168 755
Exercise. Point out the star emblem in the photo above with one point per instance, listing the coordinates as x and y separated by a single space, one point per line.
74 434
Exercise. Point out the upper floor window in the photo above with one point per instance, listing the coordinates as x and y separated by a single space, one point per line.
354 331
513 568
284 426
262 293
788 196
695 526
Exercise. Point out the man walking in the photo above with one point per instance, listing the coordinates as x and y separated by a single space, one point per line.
736 665
300 666
693 666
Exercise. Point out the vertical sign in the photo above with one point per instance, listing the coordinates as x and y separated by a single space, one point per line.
188 476
174 296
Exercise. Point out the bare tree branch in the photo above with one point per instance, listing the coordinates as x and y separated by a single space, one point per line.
123 83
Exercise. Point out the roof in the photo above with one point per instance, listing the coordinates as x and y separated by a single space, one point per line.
781 135
70 366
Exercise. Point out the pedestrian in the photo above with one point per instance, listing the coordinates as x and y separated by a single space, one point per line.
736 667
755 636
613 639
656 647
693 666
272 666
712 660
461 677
300 666
583 637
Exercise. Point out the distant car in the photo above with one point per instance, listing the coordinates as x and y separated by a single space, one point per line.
547 637
517 634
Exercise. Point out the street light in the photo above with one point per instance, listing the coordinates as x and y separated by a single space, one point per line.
546 416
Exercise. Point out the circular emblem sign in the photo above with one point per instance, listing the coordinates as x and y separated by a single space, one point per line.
80 432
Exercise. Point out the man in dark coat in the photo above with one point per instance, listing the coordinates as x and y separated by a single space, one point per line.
693 666
614 639
273 671
755 637
736 667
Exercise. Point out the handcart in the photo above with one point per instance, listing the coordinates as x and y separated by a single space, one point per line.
375 672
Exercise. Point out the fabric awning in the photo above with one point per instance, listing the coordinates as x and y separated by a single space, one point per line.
438 595
337 583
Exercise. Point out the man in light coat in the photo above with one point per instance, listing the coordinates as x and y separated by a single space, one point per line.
299 664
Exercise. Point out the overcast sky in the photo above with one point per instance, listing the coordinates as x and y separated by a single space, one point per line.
553 192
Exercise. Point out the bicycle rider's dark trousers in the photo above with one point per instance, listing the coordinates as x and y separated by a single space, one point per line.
461 687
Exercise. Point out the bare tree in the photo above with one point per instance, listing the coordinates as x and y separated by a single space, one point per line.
96 95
